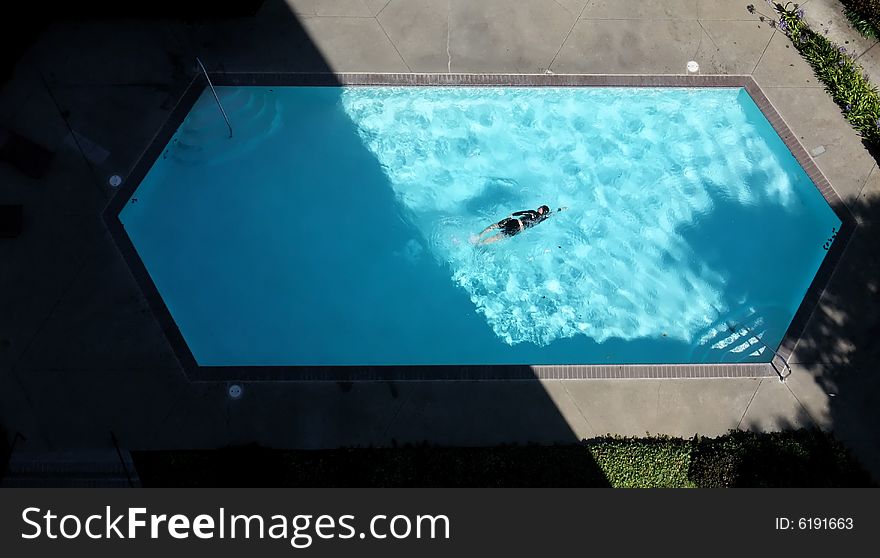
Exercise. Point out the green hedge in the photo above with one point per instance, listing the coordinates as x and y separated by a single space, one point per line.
834 66
808 458
782 459
643 462
864 16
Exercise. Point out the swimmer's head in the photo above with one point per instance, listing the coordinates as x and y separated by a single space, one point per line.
543 210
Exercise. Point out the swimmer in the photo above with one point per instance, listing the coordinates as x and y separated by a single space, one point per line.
514 224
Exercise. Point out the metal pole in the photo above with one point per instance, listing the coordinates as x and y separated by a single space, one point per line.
761 341
216 98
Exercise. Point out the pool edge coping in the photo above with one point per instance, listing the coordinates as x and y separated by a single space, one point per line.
195 372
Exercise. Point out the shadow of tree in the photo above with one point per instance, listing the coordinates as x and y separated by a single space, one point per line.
807 458
276 415
22 29
409 466
839 346
740 459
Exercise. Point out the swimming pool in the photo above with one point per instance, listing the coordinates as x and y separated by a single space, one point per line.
335 227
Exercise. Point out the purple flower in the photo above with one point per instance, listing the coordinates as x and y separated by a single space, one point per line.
783 26
878 124
800 13
848 108
841 49
841 62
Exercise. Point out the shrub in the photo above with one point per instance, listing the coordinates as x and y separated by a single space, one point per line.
835 67
801 458
864 16
660 462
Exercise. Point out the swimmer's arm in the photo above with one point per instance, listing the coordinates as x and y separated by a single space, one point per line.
491 239
489 228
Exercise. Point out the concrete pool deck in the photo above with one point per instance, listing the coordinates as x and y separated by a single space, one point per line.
81 354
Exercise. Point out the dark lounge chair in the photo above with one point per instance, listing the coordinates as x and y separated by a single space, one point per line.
28 157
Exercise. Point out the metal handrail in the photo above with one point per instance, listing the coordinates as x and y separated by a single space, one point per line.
761 341
216 98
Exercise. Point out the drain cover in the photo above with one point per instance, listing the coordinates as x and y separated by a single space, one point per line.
235 391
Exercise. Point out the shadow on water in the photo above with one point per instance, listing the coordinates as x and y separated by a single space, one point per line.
837 349
445 413
389 303
731 242
837 355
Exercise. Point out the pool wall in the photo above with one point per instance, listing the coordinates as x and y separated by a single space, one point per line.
467 372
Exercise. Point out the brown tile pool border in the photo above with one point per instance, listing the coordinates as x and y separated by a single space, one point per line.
467 372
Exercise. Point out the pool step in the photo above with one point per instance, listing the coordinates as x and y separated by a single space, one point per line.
739 343
81 468
203 136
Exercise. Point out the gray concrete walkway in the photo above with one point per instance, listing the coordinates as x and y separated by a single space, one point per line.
80 353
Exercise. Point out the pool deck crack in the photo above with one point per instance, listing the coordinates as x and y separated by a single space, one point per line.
866 51
700 42
51 312
563 7
578 407
802 406
448 34
75 138
657 407
382 10
157 427
394 417
867 178
567 35
760 58
387 36
742 418
706 31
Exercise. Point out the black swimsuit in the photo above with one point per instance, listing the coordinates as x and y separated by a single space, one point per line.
511 225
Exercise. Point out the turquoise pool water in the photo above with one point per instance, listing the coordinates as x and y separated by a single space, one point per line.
336 226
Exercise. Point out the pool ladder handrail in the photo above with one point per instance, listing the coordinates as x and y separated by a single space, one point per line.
216 98
761 341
